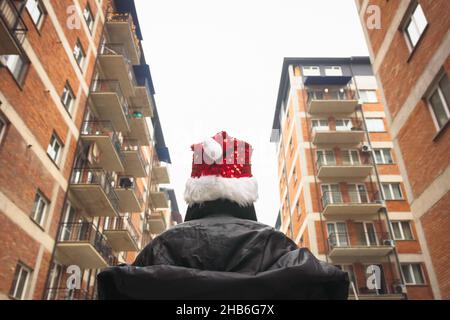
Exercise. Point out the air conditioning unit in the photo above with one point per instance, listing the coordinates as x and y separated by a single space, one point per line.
400 288
389 242
366 148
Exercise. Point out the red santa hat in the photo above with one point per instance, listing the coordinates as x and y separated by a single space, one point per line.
221 169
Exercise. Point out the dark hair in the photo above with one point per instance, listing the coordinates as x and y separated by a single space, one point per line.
220 206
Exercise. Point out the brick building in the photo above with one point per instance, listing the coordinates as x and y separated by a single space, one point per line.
410 56
341 191
81 145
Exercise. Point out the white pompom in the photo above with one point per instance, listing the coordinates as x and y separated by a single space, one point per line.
212 149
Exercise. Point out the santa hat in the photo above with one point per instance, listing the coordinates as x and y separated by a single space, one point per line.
221 169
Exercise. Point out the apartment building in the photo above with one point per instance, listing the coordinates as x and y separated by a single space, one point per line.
410 56
82 154
341 191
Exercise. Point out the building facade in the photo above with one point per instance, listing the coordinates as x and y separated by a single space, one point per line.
82 151
409 51
341 191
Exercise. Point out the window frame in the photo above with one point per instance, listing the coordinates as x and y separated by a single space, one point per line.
19 77
411 274
368 101
20 268
55 138
79 46
38 24
383 155
335 71
88 9
44 212
70 94
436 87
3 127
371 130
391 191
309 68
400 223
407 22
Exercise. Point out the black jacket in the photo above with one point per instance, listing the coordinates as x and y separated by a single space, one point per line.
222 253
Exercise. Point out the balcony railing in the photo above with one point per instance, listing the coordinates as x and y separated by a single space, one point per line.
351 197
114 49
123 224
340 94
103 128
100 177
106 86
12 19
135 145
86 232
68 294
361 239
129 183
125 17
346 160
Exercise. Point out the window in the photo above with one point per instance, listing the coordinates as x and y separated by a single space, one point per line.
16 64
320 125
343 124
39 209
67 97
79 54
439 102
413 273
294 174
311 71
291 146
333 71
54 148
35 10
350 157
375 125
415 26
2 127
20 283
368 96
88 17
392 191
383 156
402 230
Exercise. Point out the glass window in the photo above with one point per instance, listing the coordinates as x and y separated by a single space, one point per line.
415 26
440 102
413 273
54 148
2 127
320 124
333 71
368 96
39 209
79 54
20 283
67 97
392 191
402 230
88 17
311 71
383 156
375 125
343 124
35 10
16 64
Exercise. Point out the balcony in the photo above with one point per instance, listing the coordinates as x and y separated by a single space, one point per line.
343 171
139 126
12 28
83 245
115 64
325 101
121 235
160 174
109 102
142 98
350 137
135 163
356 204
106 152
365 245
158 200
130 198
68 294
121 29
156 223
92 191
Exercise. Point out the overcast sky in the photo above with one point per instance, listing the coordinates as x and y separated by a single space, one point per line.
216 66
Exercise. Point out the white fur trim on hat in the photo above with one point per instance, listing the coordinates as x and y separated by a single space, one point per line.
243 191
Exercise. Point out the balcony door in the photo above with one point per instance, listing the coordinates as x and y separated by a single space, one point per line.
68 218
343 125
325 157
350 157
331 194
320 125
358 193
337 234
366 234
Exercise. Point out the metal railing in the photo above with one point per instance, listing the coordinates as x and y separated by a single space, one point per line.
111 86
359 239
91 176
129 183
123 224
331 94
345 160
87 232
125 17
12 18
103 128
68 294
351 197
114 49
135 145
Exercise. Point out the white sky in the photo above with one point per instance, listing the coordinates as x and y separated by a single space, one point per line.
216 66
